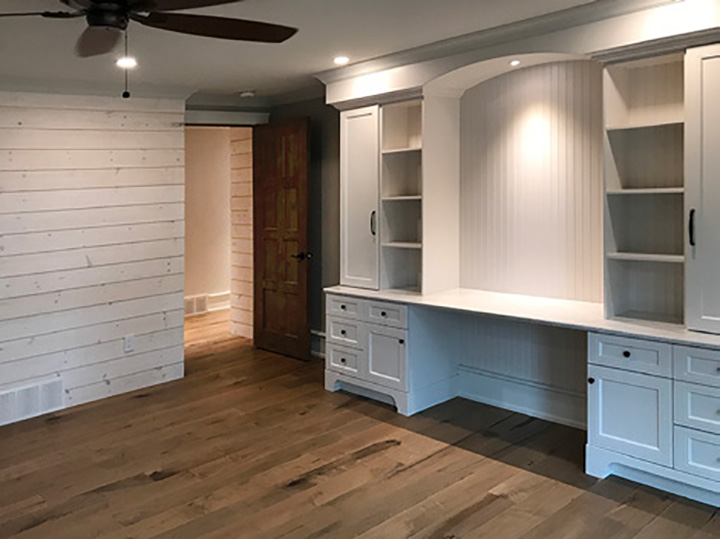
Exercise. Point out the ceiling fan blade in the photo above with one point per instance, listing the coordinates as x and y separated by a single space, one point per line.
78 4
46 14
217 27
97 40
175 5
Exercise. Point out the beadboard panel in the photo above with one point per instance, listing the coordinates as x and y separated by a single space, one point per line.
91 242
241 285
550 357
531 183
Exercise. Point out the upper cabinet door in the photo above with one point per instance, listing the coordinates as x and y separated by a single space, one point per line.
359 194
702 206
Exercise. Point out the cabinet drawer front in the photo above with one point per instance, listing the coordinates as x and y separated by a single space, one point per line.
630 413
345 307
343 359
347 332
388 314
697 365
697 406
631 354
697 453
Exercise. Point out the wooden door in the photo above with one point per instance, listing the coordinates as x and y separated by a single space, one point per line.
280 177
702 203
630 413
359 193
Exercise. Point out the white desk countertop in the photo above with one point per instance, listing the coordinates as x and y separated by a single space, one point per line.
580 315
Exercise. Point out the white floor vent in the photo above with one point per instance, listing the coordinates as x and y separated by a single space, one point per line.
28 401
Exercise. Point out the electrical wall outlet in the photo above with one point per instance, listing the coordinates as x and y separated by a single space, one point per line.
129 343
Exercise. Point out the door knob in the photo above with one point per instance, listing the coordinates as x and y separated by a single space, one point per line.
302 256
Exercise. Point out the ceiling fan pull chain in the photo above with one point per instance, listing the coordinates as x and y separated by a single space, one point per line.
126 93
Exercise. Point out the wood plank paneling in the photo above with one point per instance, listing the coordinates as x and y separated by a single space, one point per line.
531 183
241 286
91 242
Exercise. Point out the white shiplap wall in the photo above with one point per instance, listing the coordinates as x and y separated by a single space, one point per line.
531 182
241 186
91 242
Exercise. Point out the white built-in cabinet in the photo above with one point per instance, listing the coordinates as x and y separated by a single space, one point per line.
381 191
702 205
359 190
645 186
662 177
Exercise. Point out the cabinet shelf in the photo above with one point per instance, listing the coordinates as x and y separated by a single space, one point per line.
402 245
659 123
665 318
647 191
395 151
403 198
647 257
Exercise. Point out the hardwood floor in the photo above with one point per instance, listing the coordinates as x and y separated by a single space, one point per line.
250 445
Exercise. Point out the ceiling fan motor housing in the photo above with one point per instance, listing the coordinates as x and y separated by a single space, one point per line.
108 15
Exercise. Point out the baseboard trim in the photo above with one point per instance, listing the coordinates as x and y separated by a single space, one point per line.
523 396
206 303
218 302
317 344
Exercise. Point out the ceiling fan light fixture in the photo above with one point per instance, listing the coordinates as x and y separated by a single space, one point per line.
126 62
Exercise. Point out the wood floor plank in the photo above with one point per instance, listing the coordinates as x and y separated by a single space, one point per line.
249 445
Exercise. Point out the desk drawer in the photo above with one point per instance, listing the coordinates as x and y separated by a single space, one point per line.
344 360
697 453
347 332
345 307
697 365
697 407
638 355
387 314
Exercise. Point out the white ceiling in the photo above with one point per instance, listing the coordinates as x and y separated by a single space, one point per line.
39 52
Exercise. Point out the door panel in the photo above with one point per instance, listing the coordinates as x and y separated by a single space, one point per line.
703 188
630 413
280 176
359 192
387 364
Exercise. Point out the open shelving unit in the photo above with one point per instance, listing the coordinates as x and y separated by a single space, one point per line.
401 196
644 186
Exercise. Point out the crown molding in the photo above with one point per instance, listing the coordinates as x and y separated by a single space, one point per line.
657 47
544 24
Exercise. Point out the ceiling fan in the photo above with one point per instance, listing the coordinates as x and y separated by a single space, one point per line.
108 19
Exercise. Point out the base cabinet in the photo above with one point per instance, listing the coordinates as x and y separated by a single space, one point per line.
630 413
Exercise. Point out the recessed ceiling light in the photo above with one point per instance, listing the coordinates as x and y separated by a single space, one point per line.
341 60
127 62
515 63
246 94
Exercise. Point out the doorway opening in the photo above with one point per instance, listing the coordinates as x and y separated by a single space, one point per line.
219 228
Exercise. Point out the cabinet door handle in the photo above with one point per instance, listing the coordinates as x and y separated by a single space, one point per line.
373 228
691 227
591 380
